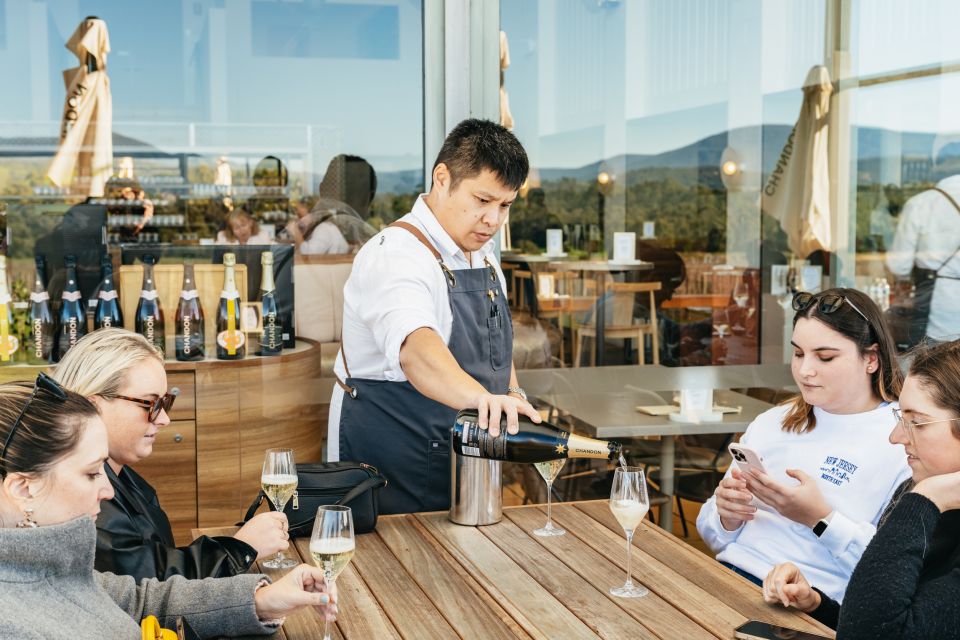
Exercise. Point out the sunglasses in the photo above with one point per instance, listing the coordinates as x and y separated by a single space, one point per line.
42 383
826 303
154 407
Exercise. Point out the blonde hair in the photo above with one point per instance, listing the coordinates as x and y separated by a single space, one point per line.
240 214
98 364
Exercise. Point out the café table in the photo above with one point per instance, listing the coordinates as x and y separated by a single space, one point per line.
421 576
602 403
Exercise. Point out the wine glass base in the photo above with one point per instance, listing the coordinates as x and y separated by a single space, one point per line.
286 563
546 532
629 592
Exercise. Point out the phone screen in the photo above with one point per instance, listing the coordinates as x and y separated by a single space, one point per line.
756 630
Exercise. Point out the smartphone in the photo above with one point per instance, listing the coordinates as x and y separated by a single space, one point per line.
746 458
756 630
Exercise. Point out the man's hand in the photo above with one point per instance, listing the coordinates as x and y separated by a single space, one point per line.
802 503
303 586
788 586
265 532
943 490
734 501
490 407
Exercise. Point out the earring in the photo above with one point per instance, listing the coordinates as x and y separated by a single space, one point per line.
28 522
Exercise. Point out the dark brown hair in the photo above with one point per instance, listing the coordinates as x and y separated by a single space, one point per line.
475 145
937 366
49 430
886 381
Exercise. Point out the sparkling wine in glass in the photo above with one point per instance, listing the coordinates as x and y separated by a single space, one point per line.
549 471
332 544
629 504
279 481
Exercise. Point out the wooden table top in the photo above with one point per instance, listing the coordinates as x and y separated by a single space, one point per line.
421 576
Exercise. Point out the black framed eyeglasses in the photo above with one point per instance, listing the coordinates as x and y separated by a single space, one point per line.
42 383
826 303
154 407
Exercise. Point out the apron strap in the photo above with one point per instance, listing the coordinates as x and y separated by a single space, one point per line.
352 391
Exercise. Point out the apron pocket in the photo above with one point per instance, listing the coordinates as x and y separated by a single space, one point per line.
437 489
499 353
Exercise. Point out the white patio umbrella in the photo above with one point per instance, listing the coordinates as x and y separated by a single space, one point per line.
86 130
797 193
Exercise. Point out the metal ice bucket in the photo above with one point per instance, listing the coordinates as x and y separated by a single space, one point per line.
476 490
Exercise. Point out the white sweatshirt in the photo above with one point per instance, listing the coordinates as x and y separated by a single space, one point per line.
855 467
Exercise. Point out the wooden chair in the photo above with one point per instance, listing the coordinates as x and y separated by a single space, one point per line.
520 279
620 298
551 307
508 268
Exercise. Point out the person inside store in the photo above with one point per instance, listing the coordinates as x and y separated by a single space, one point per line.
123 375
241 227
926 247
126 199
351 180
314 232
829 468
907 584
426 328
53 445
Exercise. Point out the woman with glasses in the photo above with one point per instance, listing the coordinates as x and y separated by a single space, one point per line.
123 374
53 446
907 584
829 467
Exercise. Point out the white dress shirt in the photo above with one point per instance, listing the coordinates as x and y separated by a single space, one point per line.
927 234
395 288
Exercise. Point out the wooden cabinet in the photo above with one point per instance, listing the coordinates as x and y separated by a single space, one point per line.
206 463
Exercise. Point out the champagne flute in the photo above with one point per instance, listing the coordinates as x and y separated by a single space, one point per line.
279 481
629 503
548 471
332 544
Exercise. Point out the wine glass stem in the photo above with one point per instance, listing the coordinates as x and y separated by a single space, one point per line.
326 622
280 557
549 505
629 582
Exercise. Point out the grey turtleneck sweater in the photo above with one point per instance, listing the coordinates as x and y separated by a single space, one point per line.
48 589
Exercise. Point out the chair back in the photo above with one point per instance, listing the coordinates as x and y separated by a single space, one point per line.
621 297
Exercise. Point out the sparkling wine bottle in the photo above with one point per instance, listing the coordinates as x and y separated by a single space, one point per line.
533 443
149 318
231 341
73 318
9 344
43 327
271 338
108 313
189 338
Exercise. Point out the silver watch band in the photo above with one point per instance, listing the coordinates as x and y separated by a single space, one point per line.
519 391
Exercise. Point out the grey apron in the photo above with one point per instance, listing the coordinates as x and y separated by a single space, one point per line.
404 434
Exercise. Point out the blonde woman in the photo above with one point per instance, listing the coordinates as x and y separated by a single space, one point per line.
123 375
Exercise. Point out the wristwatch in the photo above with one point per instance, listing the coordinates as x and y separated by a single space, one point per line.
821 526
519 391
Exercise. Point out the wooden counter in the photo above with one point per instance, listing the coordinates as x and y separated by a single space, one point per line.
421 576
206 464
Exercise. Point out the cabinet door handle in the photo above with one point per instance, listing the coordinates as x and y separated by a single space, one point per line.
178 438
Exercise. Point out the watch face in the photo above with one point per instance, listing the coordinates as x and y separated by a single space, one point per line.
819 528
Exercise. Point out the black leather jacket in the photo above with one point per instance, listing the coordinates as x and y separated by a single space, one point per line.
134 538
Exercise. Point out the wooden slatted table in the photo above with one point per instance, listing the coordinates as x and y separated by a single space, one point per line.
420 576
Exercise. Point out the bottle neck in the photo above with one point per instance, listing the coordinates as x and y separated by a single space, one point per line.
266 280
229 284
188 284
71 279
148 284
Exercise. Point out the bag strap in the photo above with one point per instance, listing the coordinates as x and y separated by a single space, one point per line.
253 508
957 250
370 483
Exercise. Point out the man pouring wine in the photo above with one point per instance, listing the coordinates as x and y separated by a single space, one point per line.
426 327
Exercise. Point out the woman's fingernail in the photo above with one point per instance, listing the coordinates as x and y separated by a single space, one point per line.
324 598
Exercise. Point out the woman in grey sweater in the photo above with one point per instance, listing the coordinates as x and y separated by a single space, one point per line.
52 449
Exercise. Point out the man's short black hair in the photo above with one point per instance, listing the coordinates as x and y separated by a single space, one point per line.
475 145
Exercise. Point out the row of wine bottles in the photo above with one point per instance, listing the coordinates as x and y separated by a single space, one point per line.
51 337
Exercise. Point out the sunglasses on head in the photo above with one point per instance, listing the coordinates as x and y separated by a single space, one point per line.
42 383
826 303
155 406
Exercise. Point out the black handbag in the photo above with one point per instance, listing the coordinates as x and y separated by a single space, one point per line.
351 484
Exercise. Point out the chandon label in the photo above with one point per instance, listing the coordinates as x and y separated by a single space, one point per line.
38 338
187 342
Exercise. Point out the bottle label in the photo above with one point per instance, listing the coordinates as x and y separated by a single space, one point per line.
191 294
42 296
231 340
230 295
581 447
39 352
149 295
71 296
477 442
108 295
